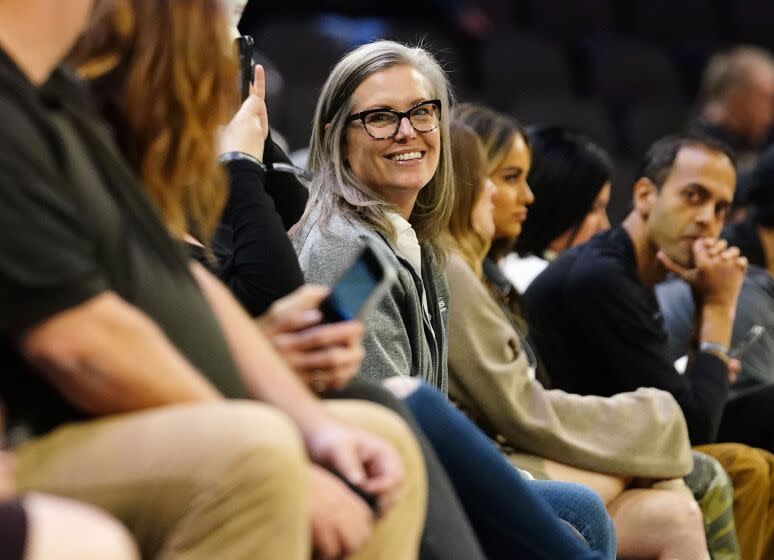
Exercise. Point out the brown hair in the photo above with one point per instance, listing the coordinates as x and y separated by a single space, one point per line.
470 171
166 73
497 131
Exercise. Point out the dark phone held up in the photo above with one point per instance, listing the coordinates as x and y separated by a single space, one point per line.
244 47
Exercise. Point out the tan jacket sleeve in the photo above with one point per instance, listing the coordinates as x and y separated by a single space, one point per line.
641 434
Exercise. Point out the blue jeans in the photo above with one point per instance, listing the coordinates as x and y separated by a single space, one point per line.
508 513
583 509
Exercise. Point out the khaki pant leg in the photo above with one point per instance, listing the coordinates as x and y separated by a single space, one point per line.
397 533
191 482
751 472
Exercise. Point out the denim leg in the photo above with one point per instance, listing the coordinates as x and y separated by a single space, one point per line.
583 509
509 517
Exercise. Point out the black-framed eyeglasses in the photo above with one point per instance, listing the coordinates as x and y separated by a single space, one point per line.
381 124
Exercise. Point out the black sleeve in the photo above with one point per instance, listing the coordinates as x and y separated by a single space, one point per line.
49 259
262 266
13 530
287 192
630 343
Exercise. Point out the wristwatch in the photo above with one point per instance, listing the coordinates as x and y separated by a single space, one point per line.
714 348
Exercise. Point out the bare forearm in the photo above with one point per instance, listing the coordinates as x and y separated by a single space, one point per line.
106 357
717 322
608 486
265 373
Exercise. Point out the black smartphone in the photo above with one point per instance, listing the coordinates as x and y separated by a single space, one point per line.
244 47
364 283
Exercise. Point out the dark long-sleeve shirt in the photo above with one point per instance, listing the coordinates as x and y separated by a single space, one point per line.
256 259
601 332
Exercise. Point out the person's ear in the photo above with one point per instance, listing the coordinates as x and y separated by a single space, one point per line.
644 196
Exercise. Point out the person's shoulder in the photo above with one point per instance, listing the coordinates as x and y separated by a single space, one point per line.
326 247
339 234
606 254
458 273
597 267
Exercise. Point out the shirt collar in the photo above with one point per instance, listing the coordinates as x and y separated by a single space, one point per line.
406 242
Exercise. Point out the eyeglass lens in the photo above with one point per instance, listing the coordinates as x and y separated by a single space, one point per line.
384 124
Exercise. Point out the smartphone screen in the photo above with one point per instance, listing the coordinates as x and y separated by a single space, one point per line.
352 291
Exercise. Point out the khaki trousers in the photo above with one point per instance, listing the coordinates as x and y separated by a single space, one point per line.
224 480
752 473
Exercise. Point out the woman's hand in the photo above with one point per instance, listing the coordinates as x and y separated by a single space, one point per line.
325 356
248 130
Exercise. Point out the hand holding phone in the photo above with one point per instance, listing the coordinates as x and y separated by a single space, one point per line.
363 285
248 129
324 356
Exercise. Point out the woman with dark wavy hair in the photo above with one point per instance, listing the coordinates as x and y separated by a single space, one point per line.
570 178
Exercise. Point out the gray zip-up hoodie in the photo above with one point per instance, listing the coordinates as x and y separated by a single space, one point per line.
398 340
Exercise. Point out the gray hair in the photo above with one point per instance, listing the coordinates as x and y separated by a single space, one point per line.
334 188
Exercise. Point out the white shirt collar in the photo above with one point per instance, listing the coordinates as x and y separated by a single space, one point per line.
406 241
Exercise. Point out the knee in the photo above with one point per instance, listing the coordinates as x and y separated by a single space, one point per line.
754 467
113 540
741 461
402 387
389 426
253 442
57 527
584 510
378 420
590 501
683 517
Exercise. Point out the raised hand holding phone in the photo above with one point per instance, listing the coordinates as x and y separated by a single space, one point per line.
248 130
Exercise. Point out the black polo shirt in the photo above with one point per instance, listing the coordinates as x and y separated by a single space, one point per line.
74 223
600 332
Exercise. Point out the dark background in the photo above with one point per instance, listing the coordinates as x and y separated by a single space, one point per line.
623 71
